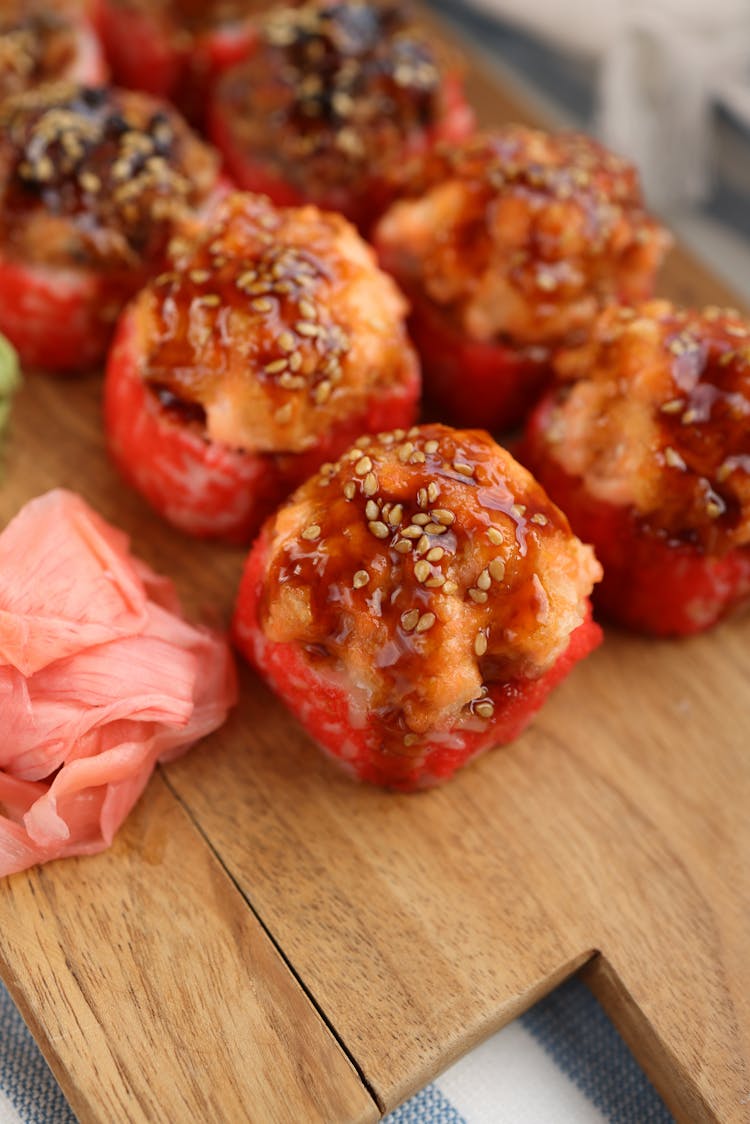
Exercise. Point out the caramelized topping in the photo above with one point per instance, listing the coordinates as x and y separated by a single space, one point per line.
523 235
658 417
335 90
276 323
116 168
430 566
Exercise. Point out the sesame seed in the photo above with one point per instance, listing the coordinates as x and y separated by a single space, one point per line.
378 529
417 457
435 554
484 581
539 519
714 509
518 510
370 484
724 472
199 275
673 407
261 304
211 300
433 491
349 489
363 466
372 511
403 546
311 533
673 458
322 392
363 442
395 515
442 515
435 529
435 582
409 620
275 367
413 432
412 532
497 569
495 536
689 417
422 571
450 587
360 579
420 519
306 329
284 413
307 309
422 497
478 596
431 446
425 622
480 644
287 341
464 469
405 451
484 709
295 360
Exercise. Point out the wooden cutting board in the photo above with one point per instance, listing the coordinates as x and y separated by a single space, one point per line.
268 941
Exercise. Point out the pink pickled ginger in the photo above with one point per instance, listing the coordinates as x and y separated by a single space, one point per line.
100 678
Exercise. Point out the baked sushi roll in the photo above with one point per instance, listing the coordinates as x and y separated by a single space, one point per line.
331 101
93 183
646 446
414 603
269 344
175 49
47 41
507 246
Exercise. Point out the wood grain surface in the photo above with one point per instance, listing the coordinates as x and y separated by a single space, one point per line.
268 941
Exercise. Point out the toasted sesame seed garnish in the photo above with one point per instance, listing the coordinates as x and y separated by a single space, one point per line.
422 570
485 708
423 545
435 529
422 497
409 620
395 515
435 554
417 457
261 304
295 361
307 309
372 511
275 367
495 536
433 490
211 300
714 508
379 529
478 596
306 329
198 276
497 569
484 581
287 341
431 446
322 392
450 586
435 581
464 469
442 515
363 441
673 458
420 519
413 431
735 330
480 644
405 452
539 519
673 406
412 532
403 546
370 484
284 413
518 510
689 417
349 489
360 579
311 533
363 466
90 182
425 622
398 434
724 472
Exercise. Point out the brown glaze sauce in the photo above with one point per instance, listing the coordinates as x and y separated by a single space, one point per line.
334 90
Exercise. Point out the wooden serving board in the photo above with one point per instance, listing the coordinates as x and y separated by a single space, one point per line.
268 941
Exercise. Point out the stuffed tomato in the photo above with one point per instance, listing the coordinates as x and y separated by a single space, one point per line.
332 101
93 183
269 344
507 246
415 602
646 445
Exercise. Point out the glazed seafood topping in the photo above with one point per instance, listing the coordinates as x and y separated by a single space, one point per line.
123 167
657 416
275 324
337 85
35 46
523 234
430 566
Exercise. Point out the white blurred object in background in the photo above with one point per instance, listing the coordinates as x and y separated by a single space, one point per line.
662 65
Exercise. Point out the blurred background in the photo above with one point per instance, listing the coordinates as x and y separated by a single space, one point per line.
665 82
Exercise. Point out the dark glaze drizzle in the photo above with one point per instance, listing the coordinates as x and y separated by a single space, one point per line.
405 524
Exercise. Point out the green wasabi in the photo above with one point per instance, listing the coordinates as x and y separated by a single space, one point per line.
10 380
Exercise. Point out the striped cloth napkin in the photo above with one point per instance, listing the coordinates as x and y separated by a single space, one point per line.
561 1063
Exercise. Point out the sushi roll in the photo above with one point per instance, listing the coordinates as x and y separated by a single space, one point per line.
330 103
93 183
47 41
507 246
646 446
175 48
268 345
415 602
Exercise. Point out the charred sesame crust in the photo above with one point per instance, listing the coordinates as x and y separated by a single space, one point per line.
688 447
425 551
120 167
268 290
335 91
